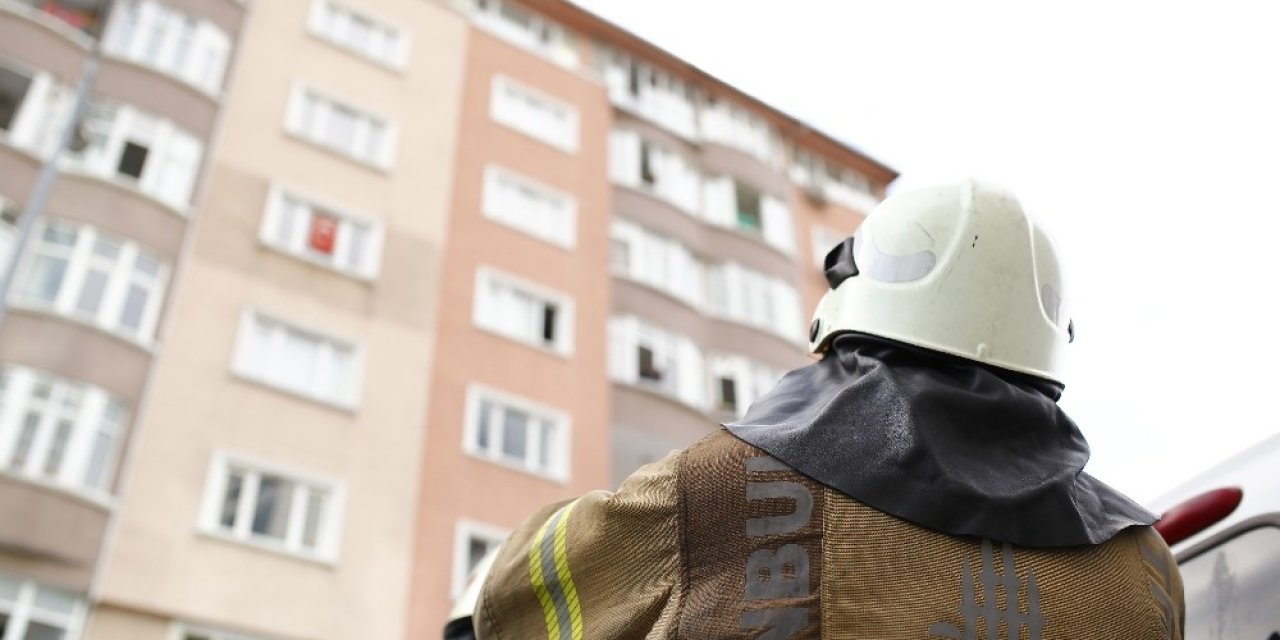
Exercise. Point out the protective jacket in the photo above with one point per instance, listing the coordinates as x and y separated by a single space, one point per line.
845 505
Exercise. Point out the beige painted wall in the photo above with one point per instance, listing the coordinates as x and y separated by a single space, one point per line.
160 562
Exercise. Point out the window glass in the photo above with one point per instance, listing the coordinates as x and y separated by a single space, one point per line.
285 512
1233 590
13 90
282 356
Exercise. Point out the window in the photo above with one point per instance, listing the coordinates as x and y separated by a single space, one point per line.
534 114
523 311
533 208
140 150
31 611
657 261
157 36
649 92
472 542
823 180
281 355
517 432
9 215
80 272
34 108
526 29
322 234
753 298
356 31
644 165
737 382
739 128
340 127
1231 589
13 91
656 359
83 15
731 203
750 215
273 508
59 431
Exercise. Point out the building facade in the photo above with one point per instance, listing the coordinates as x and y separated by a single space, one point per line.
331 294
634 248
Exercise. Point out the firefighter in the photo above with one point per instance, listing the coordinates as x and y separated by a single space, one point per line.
918 481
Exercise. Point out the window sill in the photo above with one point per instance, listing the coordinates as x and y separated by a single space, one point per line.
316 262
560 479
275 549
563 354
376 167
350 408
70 169
570 150
41 309
94 499
567 247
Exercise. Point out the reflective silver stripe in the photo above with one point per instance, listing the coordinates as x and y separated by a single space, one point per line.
886 267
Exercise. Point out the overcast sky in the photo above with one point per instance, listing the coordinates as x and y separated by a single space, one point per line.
1146 136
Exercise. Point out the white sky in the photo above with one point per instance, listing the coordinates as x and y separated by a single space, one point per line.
1145 135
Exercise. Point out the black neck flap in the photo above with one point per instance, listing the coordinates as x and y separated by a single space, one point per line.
942 442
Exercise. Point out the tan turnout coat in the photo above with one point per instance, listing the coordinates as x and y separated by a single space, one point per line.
722 541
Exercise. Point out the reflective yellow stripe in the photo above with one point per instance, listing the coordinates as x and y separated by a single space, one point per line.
540 584
566 578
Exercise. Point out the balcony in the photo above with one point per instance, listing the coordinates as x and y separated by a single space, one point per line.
85 16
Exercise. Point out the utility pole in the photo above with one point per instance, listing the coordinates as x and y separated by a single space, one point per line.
43 187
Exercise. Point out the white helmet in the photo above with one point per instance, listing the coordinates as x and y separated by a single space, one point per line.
959 269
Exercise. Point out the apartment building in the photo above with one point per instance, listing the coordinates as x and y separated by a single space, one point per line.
634 248
331 294
96 284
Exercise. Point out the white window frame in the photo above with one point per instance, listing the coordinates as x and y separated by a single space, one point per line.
80 261
567 236
329 532
242 363
567 141
297 244
563 344
684 380
78 449
382 158
659 262
463 532
22 609
204 60
395 58
562 436
166 145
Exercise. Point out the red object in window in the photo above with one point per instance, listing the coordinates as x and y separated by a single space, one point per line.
323 232
70 15
1197 514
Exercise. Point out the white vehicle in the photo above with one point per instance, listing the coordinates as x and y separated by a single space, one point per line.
1224 529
